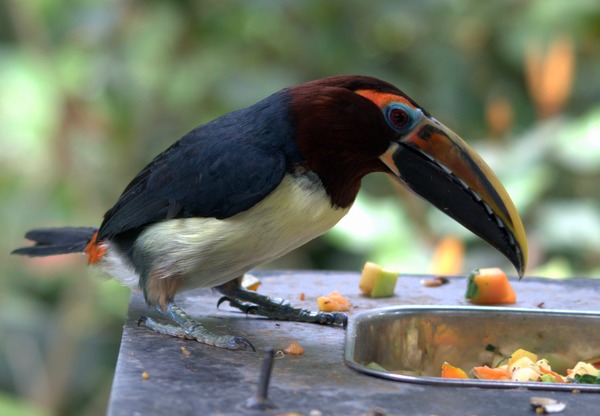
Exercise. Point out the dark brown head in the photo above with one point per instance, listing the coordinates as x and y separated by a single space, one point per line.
349 126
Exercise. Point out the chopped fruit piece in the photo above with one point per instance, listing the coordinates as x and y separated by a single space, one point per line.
375 366
367 279
520 353
377 282
250 282
547 373
582 368
294 349
525 374
546 405
489 286
334 302
521 367
449 371
547 378
385 283
185 352
487 373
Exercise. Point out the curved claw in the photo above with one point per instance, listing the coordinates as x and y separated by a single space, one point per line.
223 299
250 310
243 344
142 321
341 319
244 307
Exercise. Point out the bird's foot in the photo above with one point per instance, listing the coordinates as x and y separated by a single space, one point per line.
188 328
276 308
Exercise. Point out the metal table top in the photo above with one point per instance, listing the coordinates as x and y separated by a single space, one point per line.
205 380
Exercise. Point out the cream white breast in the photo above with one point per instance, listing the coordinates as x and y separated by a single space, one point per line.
207 252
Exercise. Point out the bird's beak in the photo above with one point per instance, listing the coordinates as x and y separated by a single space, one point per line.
440 167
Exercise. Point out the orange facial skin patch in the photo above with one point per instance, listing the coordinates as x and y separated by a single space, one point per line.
382 99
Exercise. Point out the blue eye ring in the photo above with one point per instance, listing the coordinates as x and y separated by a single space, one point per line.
401 117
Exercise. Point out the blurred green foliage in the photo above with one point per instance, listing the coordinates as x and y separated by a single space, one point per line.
91 90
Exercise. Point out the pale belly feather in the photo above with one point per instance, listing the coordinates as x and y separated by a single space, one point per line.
207 252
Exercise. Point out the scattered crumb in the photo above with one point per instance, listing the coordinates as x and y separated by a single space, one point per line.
302 296
435 282
541 305
145 375
185 352
334 302
294 349
546 405
250 282
279 354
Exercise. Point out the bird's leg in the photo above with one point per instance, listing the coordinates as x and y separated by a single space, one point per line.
186 327
274 308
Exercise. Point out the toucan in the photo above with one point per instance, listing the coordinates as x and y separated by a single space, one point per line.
254 184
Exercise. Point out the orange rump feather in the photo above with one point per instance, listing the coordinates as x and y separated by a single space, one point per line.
94 249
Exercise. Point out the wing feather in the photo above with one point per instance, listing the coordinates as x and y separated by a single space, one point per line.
217 170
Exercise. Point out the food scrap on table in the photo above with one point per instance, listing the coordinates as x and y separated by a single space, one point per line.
489 286
377 282
251 282
546 405
334 302
185 352
435 282
145 375
294 349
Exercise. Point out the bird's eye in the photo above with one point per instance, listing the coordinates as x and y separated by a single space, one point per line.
400 117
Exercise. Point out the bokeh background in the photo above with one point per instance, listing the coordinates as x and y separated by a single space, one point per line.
91 90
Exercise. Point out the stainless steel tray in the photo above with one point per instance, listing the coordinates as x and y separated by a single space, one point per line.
410 343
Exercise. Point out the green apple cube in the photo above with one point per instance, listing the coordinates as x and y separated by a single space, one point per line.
385 283
376 281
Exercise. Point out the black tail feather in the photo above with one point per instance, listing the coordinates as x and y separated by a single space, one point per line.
52 241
